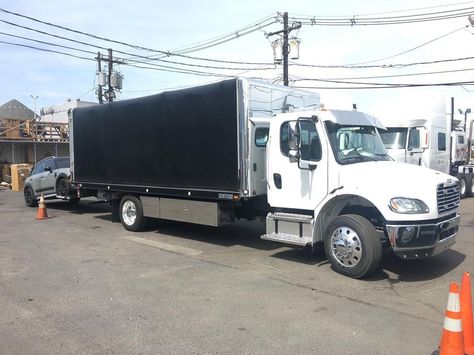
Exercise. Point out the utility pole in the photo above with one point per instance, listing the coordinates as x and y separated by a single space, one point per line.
110 81
99 70
111 94
285 48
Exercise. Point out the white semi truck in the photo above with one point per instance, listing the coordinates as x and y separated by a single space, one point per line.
426 134
245 149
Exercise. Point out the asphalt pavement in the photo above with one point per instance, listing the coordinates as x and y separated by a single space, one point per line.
77 283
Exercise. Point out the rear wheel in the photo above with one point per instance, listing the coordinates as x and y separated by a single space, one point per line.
469 185
62 187
131 213
353 246
30 199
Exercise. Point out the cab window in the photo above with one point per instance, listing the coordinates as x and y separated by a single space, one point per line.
261 136
310 144
442 142
414 139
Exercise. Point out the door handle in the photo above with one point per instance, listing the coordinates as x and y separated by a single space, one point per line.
277 180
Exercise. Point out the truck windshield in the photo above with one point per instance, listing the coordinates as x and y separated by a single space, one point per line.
394 137
353 144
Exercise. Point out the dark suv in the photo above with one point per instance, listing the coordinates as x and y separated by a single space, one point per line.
50 177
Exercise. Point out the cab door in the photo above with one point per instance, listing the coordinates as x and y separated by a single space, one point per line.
259 132
414 151
297 179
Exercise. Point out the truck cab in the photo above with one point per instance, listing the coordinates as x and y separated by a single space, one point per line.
331 181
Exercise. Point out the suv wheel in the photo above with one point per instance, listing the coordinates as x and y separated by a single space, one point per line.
30 199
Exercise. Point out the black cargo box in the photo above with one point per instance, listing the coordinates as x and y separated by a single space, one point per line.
177 142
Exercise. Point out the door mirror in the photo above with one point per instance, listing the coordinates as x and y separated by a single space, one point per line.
48 168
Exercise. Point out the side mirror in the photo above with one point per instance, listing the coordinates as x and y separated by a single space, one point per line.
293 155
48 168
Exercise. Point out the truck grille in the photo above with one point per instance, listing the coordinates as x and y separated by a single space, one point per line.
448 197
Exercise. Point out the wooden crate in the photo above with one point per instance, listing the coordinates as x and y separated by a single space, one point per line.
19 173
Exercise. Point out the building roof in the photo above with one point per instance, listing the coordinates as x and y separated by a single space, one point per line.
15 110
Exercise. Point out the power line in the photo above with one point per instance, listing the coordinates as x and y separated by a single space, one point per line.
235 34
125 53
46 50
412 49
47 43
395 11
391 76
385 20
385 66
369 85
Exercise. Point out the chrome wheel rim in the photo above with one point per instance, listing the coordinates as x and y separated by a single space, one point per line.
346 246
129 213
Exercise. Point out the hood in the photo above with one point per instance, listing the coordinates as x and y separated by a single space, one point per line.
383 180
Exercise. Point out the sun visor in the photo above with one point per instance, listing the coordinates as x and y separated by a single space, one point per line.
353 118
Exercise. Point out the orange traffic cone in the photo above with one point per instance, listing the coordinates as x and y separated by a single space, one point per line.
466 314
42 214
451 338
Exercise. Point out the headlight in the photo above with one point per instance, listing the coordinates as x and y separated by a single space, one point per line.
408 205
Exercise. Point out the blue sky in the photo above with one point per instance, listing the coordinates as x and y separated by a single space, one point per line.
168 26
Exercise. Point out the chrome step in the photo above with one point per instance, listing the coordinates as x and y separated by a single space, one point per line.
287 238
291 217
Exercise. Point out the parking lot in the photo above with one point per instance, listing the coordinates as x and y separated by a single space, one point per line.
78 283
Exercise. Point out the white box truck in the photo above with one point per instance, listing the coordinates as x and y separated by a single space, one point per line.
245 149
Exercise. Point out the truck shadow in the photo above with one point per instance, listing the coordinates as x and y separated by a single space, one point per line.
247 234
83 207
397 270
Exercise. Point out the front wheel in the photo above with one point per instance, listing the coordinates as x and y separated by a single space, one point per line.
30 199
131 213
353 246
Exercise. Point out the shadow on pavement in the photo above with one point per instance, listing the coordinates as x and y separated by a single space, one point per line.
247 233
417 270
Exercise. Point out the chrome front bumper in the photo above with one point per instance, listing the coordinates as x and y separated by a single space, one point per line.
417 240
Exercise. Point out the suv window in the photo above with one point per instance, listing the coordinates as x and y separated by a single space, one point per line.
50 163
62 163
39 168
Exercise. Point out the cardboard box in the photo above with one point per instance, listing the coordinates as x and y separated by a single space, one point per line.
19 173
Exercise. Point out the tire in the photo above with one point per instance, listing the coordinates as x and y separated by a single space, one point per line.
62 187
462 187
131 213
30 198
360 248
469 185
